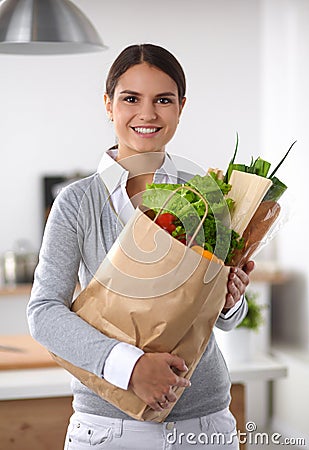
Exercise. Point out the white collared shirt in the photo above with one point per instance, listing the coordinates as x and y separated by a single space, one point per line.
121 360
115 178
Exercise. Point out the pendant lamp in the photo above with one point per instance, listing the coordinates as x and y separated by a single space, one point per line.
46 27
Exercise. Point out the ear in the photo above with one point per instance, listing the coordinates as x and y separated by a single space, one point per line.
182 104
108 106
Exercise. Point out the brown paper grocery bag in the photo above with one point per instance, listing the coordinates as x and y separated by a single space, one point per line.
157 294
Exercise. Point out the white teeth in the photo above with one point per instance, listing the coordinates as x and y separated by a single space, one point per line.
145 130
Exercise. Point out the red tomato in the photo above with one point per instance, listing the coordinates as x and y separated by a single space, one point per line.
165 221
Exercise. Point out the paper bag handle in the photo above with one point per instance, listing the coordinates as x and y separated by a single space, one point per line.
202 219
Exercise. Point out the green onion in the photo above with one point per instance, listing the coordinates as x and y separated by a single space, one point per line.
275 170
275 191
230 167
260 167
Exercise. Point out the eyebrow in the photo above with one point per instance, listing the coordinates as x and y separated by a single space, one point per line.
162 94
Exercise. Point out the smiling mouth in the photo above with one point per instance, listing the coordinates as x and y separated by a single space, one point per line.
145 130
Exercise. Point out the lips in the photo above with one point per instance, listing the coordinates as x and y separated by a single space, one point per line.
146 130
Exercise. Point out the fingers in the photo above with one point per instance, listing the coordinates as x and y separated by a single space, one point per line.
229 302
164 401
153 379
248 267
182 382
236 287
177 362
238 281
239 277
156 406
170 397
167 399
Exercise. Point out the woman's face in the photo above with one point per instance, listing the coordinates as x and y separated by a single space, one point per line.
145 110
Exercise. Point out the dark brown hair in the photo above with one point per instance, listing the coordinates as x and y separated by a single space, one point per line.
155 56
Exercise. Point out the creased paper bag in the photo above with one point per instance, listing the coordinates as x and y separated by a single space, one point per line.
157 294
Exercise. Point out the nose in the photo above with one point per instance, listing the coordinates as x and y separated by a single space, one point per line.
147 111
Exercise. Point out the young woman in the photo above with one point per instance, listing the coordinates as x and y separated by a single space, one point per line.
145 96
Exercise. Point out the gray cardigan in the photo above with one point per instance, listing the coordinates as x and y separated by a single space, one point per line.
80 230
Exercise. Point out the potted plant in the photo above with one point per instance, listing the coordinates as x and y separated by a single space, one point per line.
254 317
236 345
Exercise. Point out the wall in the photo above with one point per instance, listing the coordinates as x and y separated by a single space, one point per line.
52 118
285 107
285 110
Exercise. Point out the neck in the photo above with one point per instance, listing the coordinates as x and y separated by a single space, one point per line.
136 186
139 164
141 168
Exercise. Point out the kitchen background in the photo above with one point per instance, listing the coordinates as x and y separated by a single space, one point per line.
247 70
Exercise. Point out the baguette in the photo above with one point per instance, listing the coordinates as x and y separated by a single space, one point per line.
262 220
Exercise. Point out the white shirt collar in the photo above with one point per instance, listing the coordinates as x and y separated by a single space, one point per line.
113 174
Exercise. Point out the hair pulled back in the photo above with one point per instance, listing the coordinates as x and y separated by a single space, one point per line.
155 56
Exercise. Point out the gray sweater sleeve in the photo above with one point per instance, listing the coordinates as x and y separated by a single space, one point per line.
50 320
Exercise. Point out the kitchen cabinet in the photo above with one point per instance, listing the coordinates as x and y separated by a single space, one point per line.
34 424
35 396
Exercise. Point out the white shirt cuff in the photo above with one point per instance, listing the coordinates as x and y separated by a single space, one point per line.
232 310
120 363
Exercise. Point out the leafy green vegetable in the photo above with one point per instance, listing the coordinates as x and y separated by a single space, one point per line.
216 235
275 191
260 167
229 169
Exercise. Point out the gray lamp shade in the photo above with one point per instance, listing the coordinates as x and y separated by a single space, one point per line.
46 27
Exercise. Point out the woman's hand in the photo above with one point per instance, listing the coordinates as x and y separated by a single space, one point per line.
237 283
153 378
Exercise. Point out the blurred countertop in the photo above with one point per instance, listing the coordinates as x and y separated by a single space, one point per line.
28 371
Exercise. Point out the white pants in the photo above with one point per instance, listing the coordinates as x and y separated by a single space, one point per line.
216 431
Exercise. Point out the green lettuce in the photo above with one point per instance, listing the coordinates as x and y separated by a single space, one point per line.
216 234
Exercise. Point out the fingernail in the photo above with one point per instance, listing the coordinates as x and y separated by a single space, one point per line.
185 367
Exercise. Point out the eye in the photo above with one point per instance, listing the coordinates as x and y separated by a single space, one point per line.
164 100
130 99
